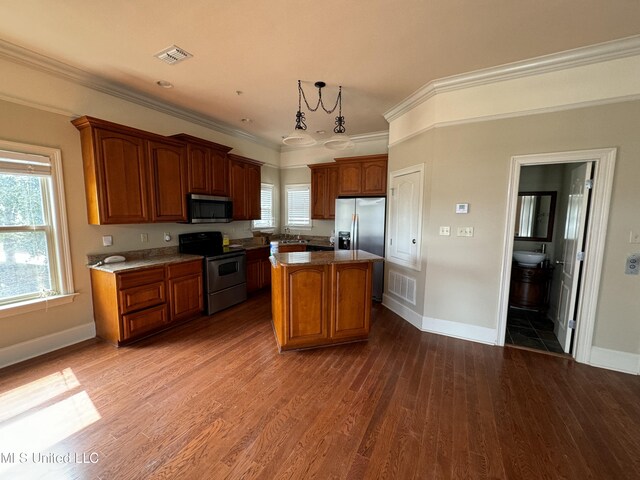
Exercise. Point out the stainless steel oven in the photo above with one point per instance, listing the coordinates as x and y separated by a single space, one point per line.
225 277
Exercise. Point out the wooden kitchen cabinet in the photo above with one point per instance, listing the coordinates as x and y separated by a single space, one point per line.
115 173
131 176
207 166
130 304
291 247
244 187
323 299
167 177
324 191
258 269
185 290
362 176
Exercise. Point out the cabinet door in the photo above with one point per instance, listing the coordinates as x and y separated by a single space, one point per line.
306 291
185 297
266 272
254 275
199 171
237 189
143 296
350 178
137 324
351 302
318 193
374 177
252 176
219 175
331 192
121 178
168 182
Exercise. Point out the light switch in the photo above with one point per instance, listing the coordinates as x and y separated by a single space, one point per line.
465 232
107 240
634 236
446 231
144 237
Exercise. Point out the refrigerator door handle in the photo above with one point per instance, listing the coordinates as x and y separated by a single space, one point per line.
356 237
352 232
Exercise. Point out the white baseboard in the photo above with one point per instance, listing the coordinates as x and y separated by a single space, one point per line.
41 345
615 360
463 331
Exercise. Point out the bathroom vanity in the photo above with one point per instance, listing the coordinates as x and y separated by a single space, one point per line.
530 287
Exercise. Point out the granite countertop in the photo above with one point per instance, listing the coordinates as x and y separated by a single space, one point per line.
149 261
324 258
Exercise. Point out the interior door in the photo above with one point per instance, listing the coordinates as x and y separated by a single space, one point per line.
575 226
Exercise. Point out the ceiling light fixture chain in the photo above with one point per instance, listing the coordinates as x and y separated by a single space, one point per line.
299 137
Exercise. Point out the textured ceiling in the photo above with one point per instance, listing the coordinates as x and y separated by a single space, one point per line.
379 51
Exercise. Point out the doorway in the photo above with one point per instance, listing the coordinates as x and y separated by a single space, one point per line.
580 304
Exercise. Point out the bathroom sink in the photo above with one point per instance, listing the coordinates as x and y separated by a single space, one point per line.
528 259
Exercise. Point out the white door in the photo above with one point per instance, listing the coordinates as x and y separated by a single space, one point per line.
405 212
573 241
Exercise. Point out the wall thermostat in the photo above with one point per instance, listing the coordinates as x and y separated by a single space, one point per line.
462 208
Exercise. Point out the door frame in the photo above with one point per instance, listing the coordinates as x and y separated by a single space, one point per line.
598 216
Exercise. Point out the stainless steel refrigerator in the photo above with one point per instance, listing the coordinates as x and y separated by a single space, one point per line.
360 224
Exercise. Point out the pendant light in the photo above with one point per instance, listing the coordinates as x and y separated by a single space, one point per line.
299 137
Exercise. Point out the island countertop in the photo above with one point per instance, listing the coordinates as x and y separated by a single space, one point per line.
324 258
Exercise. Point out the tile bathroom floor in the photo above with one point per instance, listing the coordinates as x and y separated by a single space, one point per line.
526 328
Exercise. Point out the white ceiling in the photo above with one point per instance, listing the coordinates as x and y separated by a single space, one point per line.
380 51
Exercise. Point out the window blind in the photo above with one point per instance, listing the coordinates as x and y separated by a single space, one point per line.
298 205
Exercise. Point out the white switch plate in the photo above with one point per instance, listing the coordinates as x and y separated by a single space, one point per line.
445 231
465 232
634 236
107 240
632 267
144 238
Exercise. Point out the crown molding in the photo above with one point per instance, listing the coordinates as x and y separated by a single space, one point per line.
625 47
37 61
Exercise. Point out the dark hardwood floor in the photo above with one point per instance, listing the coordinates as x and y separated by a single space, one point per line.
213 399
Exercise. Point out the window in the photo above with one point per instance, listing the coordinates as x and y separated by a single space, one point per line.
298 205
267 218
34 246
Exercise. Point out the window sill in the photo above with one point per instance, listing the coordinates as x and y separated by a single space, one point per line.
36 304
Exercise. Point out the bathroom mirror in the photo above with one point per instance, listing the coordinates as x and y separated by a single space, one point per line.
534 216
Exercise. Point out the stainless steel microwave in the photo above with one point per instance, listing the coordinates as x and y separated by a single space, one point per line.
209 209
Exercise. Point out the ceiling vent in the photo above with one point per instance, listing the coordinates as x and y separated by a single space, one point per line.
173 55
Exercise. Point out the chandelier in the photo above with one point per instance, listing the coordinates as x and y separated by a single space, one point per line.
300 138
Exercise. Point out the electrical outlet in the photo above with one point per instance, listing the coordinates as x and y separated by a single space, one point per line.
446 231
632 266
167 237
107 240
634 236
144 237
465 232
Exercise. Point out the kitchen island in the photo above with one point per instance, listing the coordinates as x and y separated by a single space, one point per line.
321 298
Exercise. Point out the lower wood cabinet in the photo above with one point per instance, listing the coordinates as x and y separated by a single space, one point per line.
321 304
130 304
530 287
258 269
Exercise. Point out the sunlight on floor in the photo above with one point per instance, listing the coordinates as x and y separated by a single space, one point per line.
24 433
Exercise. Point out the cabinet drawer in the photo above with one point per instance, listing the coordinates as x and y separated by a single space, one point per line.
140 277
136 324
186 268
137 298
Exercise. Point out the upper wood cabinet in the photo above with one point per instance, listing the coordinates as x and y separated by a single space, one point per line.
167 177
324 190
244 187
131 176
362 176
115 173
207 166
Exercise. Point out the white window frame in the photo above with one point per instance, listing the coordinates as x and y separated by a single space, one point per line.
270 223
293 188
58 234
